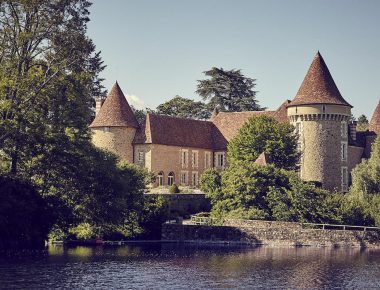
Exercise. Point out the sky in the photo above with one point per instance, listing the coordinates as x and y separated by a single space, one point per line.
159 48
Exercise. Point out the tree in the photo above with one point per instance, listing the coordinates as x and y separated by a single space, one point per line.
365 187
49 74
229 89
366 175
250 191
362 124
49 71
211 183
25 219
184 108
264 134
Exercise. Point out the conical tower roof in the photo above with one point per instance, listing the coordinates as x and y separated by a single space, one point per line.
374 125
318 86
115 111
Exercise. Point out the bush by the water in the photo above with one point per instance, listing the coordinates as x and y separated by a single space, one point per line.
248 191
24 216
174 188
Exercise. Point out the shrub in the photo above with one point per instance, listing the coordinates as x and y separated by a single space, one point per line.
25 220
174 188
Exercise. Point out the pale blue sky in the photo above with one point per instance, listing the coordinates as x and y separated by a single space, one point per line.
157 49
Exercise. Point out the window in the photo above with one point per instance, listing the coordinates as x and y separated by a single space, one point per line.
207 159
343 129
171 178
184 177
194 159
141 156
106 129
220 159
184 157
160 177
195 178
344 179
298 128
344 151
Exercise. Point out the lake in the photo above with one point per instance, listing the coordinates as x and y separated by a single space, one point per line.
172 266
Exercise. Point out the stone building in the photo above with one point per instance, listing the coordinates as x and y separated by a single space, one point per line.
178 150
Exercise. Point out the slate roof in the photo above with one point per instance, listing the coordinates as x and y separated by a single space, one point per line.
318 86
115 111
374 124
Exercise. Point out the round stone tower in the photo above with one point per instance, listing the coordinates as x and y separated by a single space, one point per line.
115 125
320 115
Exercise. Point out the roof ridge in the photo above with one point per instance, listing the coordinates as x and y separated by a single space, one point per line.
178 118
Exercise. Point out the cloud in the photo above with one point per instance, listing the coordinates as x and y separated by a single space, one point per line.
135 101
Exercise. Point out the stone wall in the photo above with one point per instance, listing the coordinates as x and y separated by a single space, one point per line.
270 233
147 155
321 156
117 140
354 156
186 204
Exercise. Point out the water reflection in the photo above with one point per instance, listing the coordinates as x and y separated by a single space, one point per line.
172 266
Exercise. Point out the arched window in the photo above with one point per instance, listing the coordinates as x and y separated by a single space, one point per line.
160 177
171 178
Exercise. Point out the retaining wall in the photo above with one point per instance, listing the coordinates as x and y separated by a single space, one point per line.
186 204
270 233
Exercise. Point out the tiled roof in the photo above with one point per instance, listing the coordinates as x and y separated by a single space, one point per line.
212 134
281 114
262 160
374 125
318 86
229 123
167 130
115 111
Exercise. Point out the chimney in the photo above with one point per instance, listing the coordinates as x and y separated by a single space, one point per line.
99 103
352 127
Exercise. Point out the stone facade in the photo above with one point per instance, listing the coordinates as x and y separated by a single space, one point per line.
322 142
115 139
179 161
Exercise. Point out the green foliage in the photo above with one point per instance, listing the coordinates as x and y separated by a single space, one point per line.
210 183
154 214
366 175
140 114
184 108
49 71
229 89
264 134
362 124
364 193
249 191
83 231
174 188
24 216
